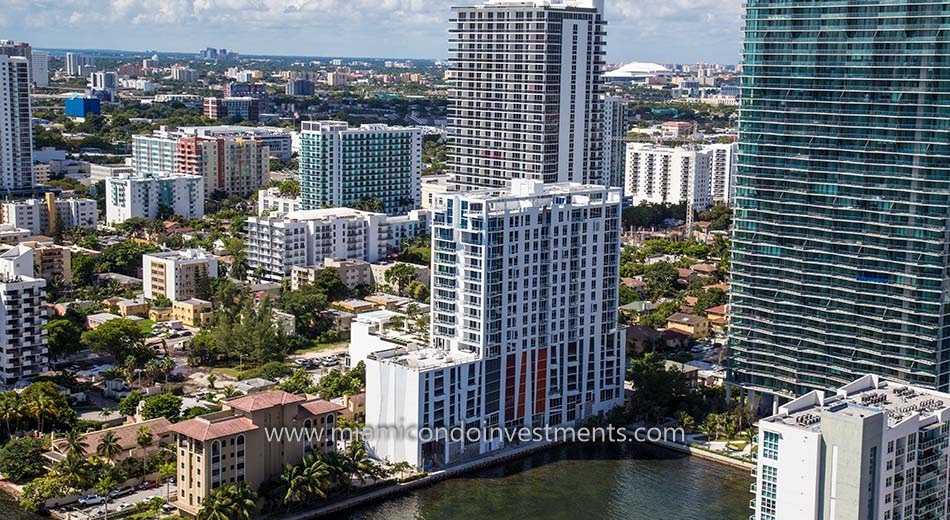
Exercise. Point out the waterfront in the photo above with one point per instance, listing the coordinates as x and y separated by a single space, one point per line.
597 481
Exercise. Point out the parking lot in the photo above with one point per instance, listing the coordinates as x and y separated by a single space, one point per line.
120 503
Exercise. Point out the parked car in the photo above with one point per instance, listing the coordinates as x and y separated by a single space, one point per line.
91 500
119 492
148 485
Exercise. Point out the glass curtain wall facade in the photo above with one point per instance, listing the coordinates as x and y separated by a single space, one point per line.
843 195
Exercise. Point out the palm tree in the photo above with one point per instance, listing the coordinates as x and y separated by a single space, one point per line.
686 421
229 392
109 446
39 406
166 470
359 462
211 380
168 365
104 486
295 484
229 503
75 445
10 409
143 437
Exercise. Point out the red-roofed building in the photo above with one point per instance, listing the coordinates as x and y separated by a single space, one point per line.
250 440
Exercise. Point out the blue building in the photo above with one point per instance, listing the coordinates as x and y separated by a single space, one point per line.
82 106
842 213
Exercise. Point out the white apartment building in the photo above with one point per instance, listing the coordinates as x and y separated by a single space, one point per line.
615 140
304 238
78 64
16 130
342 166
524 322
37 215
722 171
128 197
39 68
525 97
23 352
270 200
873 450
184 74
665 175
104 81
175 274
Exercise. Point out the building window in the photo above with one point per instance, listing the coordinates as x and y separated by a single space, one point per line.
770 445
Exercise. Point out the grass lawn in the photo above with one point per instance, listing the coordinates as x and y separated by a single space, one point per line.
228 371
146 325
318 347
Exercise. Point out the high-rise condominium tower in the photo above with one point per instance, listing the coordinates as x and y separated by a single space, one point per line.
843 196
16 132
526 98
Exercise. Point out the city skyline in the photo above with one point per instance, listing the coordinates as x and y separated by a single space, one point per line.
639 30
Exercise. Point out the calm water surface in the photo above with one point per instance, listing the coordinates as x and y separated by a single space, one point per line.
590 481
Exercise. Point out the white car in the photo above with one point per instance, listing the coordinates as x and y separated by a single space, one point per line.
91 500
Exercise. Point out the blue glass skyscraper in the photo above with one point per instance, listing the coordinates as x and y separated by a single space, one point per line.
840 250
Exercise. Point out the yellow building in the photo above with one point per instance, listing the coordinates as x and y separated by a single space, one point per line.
132 308
192 312
159 314
695 326
175 274
232 446
51 262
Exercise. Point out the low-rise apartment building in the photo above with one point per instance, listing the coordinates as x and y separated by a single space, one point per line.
42 216
237 444
175 274
192 312
144 196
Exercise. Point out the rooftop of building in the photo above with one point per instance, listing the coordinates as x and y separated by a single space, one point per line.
417 357
525 192
864 397
208 428
263 401
686 319
184 254
125 435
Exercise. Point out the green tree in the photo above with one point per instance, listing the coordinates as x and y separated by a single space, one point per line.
660 279
229 502
21 459
162 405
299 383
329 282
399 276
129 404
63 337
120 339
83 269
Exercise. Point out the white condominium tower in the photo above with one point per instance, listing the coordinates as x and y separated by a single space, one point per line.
16 132
525 98
873 449
23 351
666 175
524 321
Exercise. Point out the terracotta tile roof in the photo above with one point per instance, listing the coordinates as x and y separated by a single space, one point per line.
632 283
318 407
263 400
358 398
124 434
722 286
684 273
203 430
721 310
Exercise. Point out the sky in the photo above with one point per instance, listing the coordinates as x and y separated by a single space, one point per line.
664 31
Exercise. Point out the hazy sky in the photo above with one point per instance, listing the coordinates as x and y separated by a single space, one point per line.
642 30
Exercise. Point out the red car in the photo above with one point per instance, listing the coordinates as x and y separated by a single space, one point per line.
149 485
